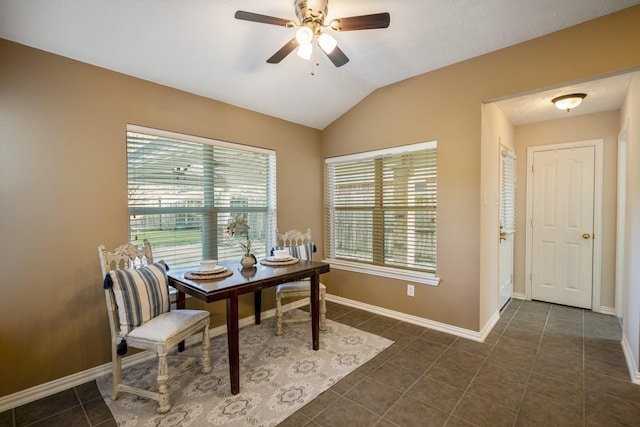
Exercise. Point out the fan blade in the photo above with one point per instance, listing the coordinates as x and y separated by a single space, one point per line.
283 52
337 57
264 19
363 22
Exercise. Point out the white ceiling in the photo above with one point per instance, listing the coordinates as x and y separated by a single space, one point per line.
197 45
603 94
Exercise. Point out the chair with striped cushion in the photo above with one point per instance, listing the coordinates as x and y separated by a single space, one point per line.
140 316
302 247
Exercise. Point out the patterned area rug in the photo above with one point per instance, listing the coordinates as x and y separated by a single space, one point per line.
278 375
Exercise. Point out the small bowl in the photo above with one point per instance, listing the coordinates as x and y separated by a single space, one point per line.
280 253
208 264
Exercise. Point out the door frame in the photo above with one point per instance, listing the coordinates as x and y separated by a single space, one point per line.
597 144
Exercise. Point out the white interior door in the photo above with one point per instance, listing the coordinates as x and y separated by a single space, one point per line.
507 225
562 226
506 269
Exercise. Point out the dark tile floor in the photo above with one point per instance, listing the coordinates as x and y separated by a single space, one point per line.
542 365
79 406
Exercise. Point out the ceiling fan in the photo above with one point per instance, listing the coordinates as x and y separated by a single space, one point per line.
311 15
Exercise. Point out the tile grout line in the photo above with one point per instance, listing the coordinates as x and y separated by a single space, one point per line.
530 370
405 393
343 395
548 327
584 374
84 411
464 392
513 316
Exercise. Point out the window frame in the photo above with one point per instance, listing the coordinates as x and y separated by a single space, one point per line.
207 245
407 274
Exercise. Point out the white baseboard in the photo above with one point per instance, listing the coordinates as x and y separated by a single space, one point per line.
486 329
47 389
420 321
52 387
518 295
632 364
607 310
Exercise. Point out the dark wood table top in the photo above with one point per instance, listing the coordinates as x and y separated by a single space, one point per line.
243 280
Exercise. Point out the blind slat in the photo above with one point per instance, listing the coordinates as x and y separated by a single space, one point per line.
381 208
183 193
508 204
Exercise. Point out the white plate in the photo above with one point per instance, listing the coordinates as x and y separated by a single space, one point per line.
201 270
274 259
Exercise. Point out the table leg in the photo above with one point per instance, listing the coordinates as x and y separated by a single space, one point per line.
257 304
315 310
180 300
233 341
180 305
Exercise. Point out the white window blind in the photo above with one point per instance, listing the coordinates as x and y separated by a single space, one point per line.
182 191
381 207
508 205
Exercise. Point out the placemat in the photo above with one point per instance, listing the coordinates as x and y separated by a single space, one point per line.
214 276
279 263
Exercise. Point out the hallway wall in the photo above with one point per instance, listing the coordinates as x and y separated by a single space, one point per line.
630 115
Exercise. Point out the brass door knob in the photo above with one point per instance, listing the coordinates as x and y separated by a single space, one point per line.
586 236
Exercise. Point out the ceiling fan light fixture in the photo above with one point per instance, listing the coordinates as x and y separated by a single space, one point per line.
327 43
311 16
567 102
304 35
305 50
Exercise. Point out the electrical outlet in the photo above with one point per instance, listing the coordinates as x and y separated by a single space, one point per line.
410 290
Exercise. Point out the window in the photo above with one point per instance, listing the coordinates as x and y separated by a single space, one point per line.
508 205
381 212
184 189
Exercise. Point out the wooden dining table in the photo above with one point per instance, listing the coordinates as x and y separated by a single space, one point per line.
246 280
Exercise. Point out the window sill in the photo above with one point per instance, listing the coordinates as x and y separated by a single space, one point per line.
392 273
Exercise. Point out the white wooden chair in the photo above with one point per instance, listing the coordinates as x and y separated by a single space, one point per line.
140 316
300 246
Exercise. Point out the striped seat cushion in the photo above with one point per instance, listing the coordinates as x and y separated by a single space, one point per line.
303 252
141 294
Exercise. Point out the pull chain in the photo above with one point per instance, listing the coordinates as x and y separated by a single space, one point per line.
314 61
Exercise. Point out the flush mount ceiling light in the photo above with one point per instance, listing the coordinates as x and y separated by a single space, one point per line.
567 102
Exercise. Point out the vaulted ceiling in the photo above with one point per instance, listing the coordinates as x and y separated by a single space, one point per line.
199 47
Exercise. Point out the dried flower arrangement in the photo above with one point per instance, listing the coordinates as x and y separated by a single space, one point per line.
238 226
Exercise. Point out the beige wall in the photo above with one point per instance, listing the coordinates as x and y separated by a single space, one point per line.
445 105
63 179
63 182
603 126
